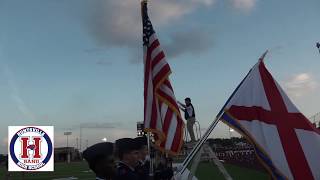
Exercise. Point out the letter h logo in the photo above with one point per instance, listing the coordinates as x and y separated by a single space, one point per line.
35 147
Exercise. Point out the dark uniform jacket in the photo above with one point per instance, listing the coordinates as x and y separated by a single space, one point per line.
163 173
142 169
125 172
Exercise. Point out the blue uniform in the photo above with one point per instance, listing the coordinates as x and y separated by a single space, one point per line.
125 172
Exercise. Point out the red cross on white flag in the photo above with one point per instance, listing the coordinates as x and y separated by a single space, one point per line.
285 141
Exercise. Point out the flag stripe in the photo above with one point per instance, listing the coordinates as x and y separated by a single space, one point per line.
169 92
155 52
160 71
154 44
171 132
179 135
167 120
169 100
158 78
168 84
157 60
164 109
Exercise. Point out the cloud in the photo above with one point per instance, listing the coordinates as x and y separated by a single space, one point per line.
205 2
118 23
300 84
244 5
15 94
193 42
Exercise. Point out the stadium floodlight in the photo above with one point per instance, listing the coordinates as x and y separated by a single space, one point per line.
96 125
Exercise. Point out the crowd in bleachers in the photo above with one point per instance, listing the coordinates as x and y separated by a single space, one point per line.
241 154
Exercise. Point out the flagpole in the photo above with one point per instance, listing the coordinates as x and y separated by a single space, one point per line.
151 172
151 155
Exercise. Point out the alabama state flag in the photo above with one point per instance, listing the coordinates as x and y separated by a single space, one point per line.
285 141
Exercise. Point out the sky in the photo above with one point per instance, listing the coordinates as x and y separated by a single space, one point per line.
71 62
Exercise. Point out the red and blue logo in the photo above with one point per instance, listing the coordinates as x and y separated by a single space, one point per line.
31 148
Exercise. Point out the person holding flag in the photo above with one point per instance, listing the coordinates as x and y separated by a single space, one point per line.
189 116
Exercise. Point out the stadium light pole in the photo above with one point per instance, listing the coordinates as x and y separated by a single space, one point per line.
77 143
230 132
68 133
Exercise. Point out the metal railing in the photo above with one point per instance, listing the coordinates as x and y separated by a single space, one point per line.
315 119
196 130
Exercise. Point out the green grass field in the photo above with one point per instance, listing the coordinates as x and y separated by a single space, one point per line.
205 171
62 170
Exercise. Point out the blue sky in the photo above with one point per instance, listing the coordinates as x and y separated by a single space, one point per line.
67 62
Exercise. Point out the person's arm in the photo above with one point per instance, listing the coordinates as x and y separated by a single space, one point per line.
184 106
182 109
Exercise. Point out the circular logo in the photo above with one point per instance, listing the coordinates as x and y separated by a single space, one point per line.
30 148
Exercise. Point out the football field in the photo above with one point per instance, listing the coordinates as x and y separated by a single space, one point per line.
80 170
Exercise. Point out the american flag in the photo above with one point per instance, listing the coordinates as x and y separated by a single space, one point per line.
161 113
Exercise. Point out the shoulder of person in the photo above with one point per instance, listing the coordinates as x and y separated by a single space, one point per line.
121 164
122 170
